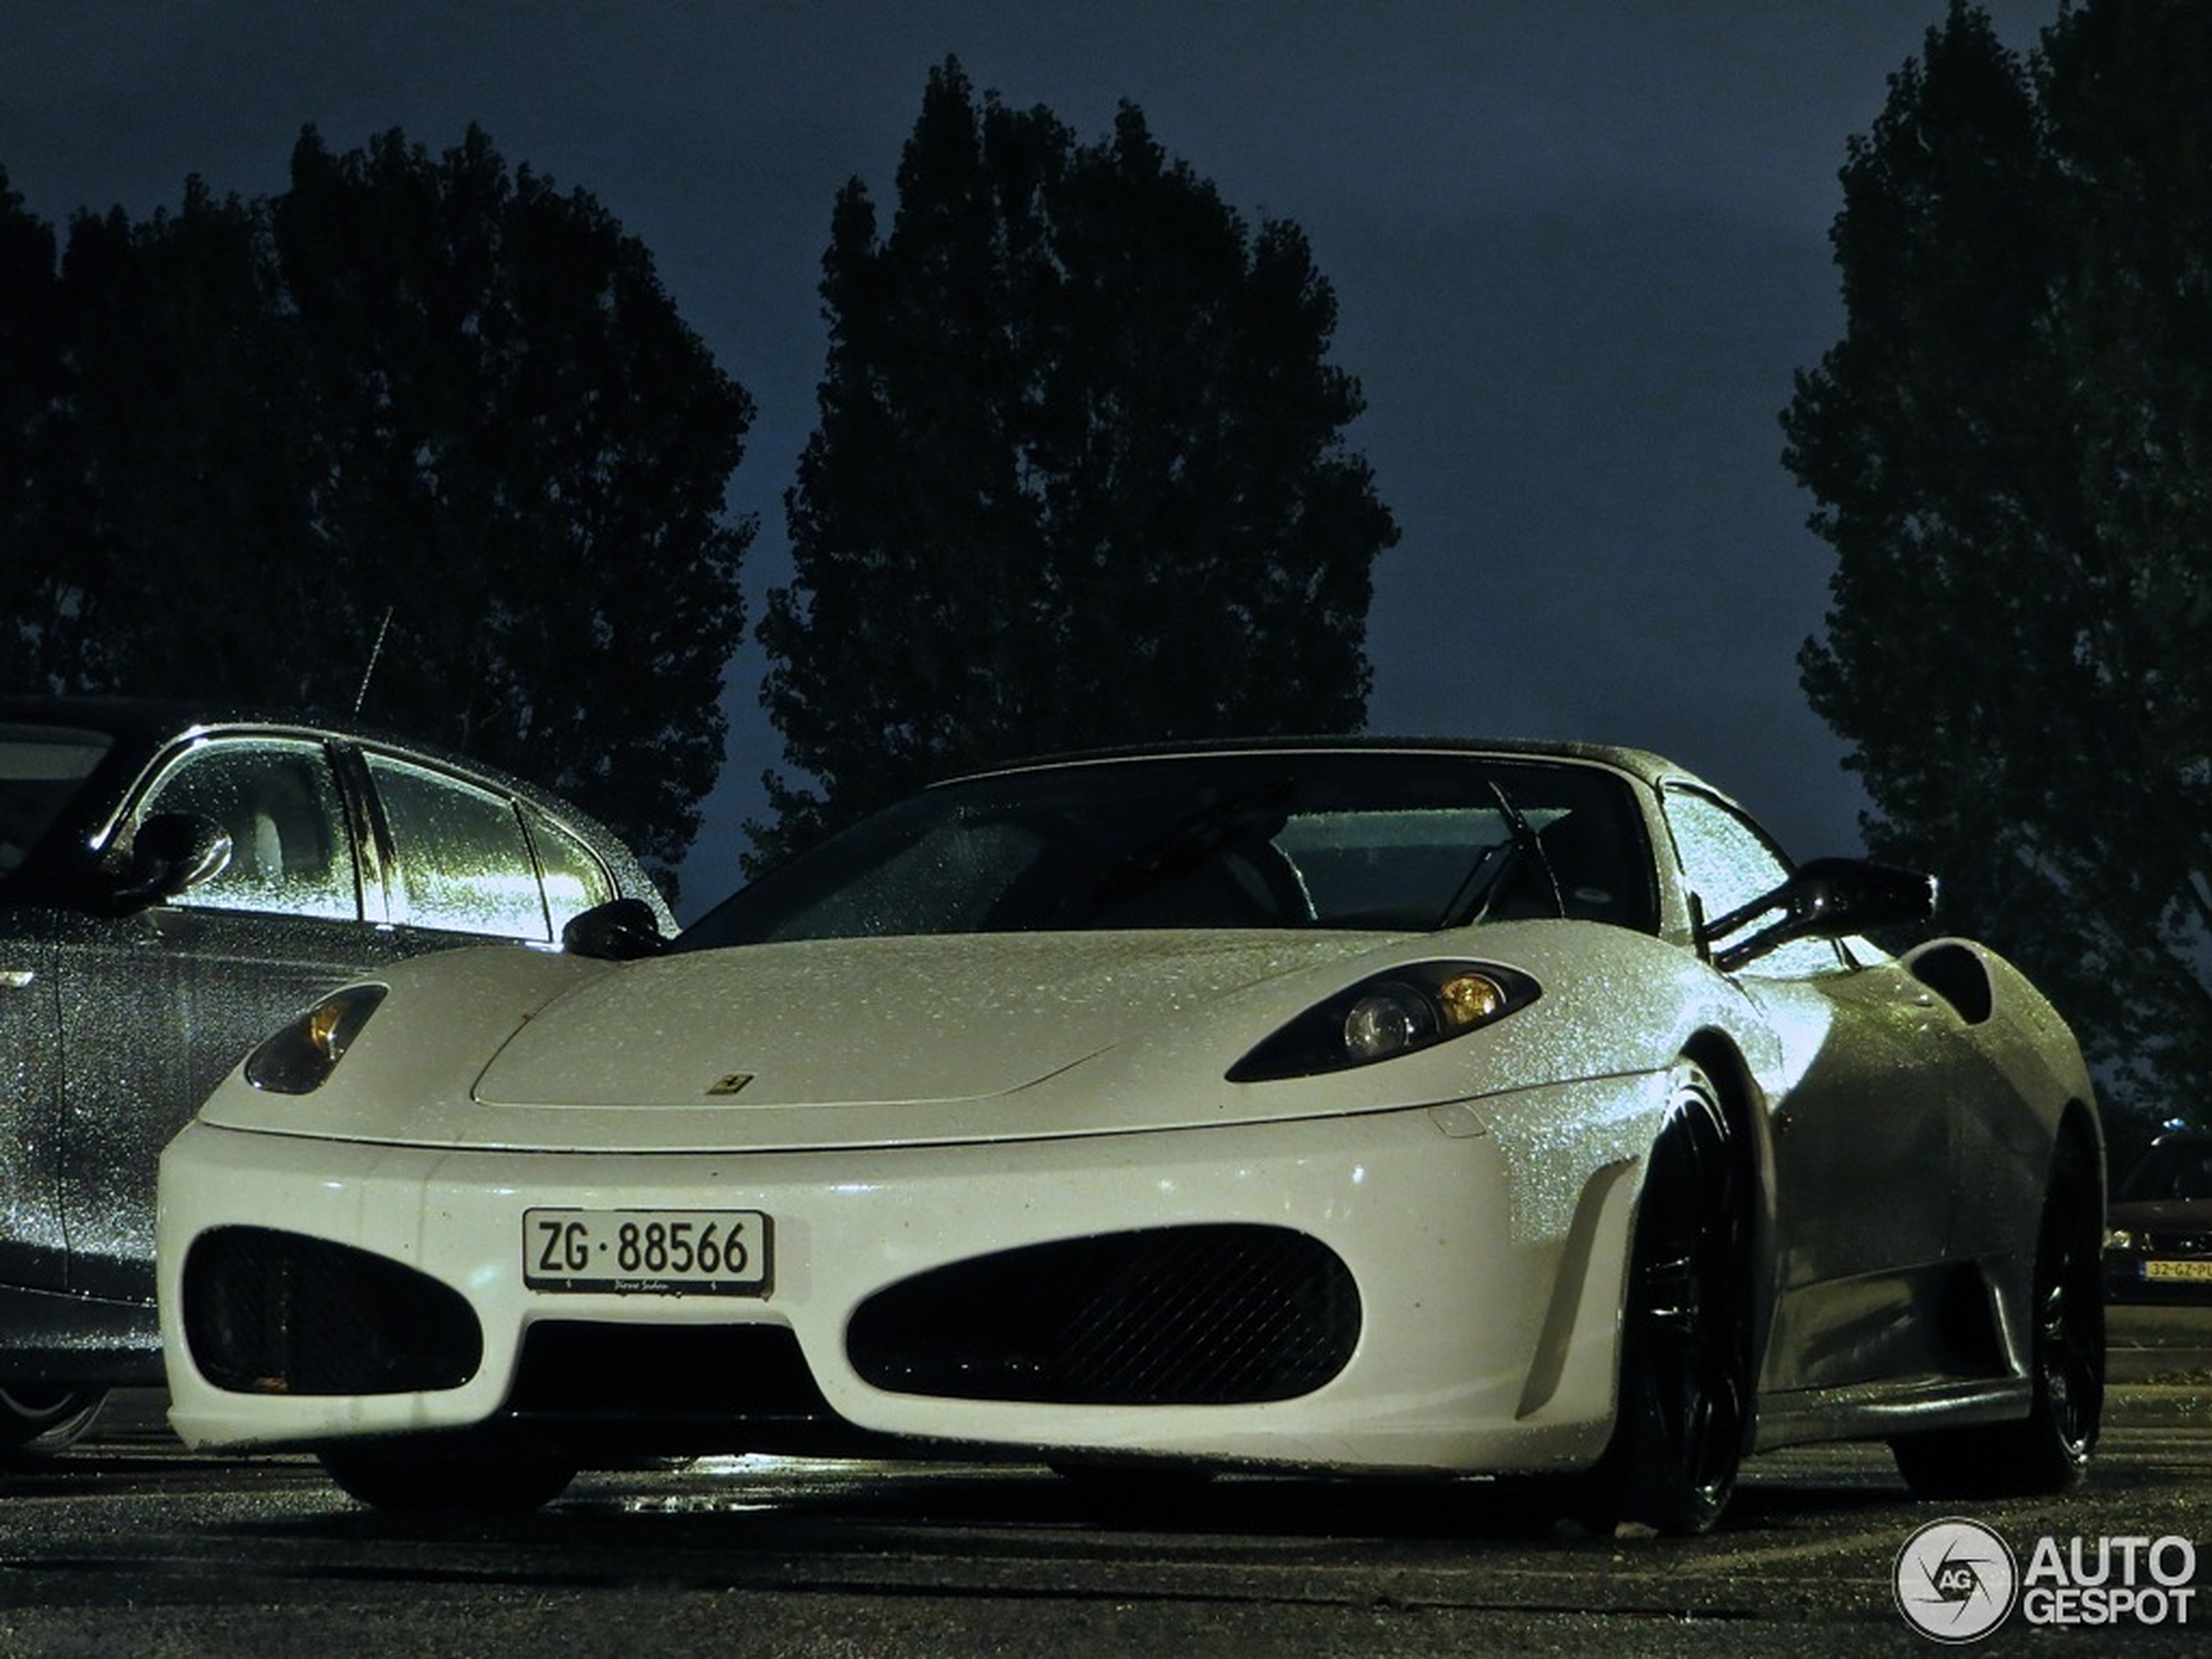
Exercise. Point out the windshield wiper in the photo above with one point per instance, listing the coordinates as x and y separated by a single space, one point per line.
1187 843
1489 868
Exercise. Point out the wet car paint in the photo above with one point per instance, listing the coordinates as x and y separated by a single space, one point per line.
117 1018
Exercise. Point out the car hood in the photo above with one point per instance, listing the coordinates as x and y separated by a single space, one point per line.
906 1021
913 1042
2162 1215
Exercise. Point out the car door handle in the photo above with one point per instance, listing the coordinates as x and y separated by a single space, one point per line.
14 979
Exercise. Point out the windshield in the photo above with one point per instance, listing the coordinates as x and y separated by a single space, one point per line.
1383 841
2174 1169
40 768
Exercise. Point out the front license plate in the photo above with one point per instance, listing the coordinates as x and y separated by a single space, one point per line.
2194 1270
648 1252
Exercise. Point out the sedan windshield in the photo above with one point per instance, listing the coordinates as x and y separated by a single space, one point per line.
2170 1169
40 768
1387 840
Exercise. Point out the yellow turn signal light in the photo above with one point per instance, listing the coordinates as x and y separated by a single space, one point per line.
1467 999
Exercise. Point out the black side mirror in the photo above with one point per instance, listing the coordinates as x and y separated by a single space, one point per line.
621 930
1834 897
171 852
1825 898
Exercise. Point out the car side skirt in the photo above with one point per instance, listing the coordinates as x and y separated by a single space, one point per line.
52 1337
1888 1410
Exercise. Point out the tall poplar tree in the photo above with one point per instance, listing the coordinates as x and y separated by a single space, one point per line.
1080 475
2012 450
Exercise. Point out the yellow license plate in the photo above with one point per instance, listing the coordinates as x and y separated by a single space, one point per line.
2198 1271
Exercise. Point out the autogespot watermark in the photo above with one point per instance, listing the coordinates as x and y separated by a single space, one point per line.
1957 1579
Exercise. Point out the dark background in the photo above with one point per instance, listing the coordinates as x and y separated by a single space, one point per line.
1579 249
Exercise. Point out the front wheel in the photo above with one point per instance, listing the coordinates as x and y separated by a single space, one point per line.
1686 1348
37 1419
430 1476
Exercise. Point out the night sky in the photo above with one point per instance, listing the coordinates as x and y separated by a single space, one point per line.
1579 249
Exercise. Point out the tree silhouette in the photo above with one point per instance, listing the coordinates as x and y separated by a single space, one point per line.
522 451
2012 449
1079 475
426 411
37 596
177 482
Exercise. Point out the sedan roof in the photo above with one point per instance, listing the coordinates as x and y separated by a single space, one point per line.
1640 764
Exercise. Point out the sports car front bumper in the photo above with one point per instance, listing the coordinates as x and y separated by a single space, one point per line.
1451 1277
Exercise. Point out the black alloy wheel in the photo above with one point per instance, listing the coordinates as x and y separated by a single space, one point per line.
1686 1349
2069 1343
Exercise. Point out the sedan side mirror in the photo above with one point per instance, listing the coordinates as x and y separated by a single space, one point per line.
621 930
1825 898
170 854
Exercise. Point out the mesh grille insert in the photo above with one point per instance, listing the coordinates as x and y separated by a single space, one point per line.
270 1312
1204 1315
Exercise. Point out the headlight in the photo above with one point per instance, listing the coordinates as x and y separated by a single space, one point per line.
1399 1012
2119 1238
299 1059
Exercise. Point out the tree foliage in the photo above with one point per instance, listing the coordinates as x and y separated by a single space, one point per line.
1079 475
428 412
2012 450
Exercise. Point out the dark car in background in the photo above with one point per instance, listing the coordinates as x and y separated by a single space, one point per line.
2158 1238
174 884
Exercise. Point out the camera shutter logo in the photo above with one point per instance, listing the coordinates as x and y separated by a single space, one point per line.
1956 1580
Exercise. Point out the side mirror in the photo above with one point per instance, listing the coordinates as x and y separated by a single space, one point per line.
1825 898
171 852
621 930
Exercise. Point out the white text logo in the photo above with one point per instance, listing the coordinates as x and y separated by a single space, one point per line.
1956 1581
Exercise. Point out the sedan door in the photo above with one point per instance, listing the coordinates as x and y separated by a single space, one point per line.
34 1249
158 1005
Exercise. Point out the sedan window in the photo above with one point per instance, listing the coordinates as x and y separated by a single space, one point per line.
290 852
40 768
462 862
575 879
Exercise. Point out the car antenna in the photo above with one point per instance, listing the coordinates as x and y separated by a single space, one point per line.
375 651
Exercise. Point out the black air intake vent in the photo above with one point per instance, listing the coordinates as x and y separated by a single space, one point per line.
742 1373
1179 1316
269 1312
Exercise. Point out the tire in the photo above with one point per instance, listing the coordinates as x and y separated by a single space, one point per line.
428 1477
2050 1449
38 1419
1685 1395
